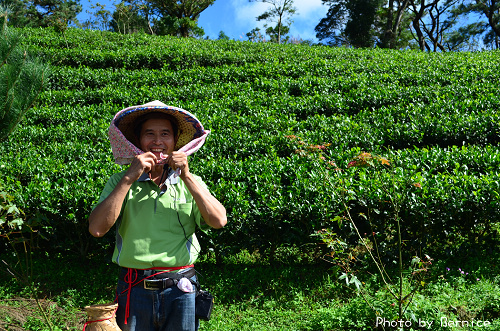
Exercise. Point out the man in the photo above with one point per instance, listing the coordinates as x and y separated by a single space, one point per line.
156 203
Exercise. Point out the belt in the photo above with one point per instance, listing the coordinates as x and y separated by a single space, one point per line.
162 280
158 284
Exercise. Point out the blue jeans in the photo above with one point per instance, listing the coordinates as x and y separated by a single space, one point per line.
169 309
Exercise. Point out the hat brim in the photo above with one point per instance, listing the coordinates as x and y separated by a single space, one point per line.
189 126
191 135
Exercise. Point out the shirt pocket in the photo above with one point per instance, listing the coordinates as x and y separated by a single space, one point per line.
185 223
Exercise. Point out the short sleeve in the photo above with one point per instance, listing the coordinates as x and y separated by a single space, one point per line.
109 187
199 219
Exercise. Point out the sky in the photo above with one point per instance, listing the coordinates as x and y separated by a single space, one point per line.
238 17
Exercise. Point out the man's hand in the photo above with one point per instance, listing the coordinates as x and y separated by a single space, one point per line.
178 160
143 163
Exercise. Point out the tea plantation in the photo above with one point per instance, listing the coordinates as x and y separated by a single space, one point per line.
434 116
285 122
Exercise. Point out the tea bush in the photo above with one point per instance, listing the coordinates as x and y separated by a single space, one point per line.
434 116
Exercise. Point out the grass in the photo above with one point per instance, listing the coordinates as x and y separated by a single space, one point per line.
253 293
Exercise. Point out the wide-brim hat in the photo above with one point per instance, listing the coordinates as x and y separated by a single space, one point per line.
191 134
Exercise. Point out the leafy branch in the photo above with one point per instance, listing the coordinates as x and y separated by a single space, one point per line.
389 191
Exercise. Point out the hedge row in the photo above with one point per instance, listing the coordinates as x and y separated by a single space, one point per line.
258 117
271 200
285 121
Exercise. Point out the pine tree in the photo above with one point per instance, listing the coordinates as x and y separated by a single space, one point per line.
22 78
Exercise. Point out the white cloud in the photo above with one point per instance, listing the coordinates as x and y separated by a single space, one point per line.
306 8
238 17
309 13
246 12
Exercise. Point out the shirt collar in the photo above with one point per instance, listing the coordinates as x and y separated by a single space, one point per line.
171 179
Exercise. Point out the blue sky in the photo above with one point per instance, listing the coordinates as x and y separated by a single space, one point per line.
238 17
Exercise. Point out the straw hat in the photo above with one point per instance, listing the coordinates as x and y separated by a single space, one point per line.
191 135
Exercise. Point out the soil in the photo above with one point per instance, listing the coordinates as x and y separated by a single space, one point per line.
14 313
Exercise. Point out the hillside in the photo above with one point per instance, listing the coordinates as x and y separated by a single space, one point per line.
273 110
317 153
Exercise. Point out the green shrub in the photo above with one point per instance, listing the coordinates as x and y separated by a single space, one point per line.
433 115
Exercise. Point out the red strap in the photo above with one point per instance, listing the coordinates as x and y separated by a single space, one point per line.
170 269
104 319
128 279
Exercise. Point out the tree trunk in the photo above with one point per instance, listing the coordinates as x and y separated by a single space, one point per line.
416 25
489 12
399 17
392 26
388 33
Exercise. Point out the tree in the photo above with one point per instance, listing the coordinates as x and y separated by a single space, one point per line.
466 37
331 27
101 16
434 23
279 12
353 19
179 17
127 19
43 13
223 36
394 15
364 23
490 29
255 36
22 78
441 21
359 28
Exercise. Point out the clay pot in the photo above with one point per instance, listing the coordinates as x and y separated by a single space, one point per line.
101 317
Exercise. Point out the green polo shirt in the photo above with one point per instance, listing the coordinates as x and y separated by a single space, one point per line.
149 233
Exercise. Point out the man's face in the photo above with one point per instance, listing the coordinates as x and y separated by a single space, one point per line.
157 136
